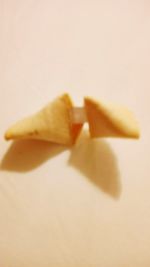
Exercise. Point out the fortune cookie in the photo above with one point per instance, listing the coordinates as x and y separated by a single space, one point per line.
60 122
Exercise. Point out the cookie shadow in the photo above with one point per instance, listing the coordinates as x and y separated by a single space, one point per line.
95 159
26 155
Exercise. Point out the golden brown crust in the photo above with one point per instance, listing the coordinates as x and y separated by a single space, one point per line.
55 123
52 123
110 121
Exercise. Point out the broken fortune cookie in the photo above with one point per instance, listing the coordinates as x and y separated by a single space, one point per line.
60 122
109 120
52 123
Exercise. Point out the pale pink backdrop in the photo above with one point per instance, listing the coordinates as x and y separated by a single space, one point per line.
89 206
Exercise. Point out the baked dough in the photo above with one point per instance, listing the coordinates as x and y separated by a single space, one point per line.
52 123
60 122
107 120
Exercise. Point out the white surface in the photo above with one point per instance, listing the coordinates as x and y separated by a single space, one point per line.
89 206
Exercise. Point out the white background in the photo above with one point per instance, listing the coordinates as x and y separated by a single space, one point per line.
89 206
